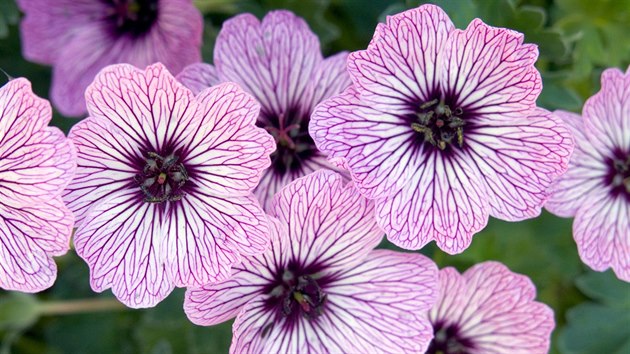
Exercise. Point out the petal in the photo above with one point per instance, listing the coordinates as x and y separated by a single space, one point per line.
198 77
601 232
29 237
205 236
273 60
518 159
120 239
400 64
21 113
225 152
330 223
215 303
444 201
149 106
585 176
106 162
607 113
494 309
377 146
329 78
490 71
381 305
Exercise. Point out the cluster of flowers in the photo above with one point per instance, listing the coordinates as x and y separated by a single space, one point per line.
264 183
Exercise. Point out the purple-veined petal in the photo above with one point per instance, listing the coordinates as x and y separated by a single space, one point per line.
444 201
29 237
400 65
106 163
494 309
601 232
226 152
215 303
198 76
274 59
205 236
36 161
120 239
490 71
149 106
330 223
380 306
518 159
607 113
586 173
329 78
377 146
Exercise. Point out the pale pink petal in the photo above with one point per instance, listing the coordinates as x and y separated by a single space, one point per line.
274 59
330 223
444 201
380 306
490 71
120 239
198 77
106 160
215 303
607 113
205 235
329 78
377 146
585 176
400 65
601 231
518 159
149 106
21 113
29 237
494 309
225 152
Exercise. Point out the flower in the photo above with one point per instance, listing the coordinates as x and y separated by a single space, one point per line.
488 310
80 37
36 163
441 129
279 62
162 195
321 287
596 188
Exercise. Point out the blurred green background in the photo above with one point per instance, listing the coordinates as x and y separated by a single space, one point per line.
577 40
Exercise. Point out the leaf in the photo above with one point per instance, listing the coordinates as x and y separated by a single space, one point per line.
18 311
9 15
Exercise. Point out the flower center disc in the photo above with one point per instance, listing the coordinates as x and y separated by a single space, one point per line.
302 294
439 124
293 146
447 340
621 175
133 17
162 178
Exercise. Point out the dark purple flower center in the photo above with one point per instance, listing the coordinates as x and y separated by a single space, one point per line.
162 178
448 340
133 17
294 145
300 294
438 124
619 174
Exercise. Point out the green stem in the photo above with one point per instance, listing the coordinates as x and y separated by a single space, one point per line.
79 306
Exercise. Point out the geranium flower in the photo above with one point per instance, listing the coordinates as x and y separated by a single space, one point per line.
489 310
596 189
36 163
80 37
162 194
441 129
321 288
280 63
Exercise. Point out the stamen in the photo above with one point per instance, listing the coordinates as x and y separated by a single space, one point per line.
162 178
439 125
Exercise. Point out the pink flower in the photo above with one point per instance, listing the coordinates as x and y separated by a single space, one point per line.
321 288
162 193
279 62
489 310
596 189
36 163
80 37
441 129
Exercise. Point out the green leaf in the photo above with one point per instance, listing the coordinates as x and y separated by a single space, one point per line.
18 311
606 288
9 15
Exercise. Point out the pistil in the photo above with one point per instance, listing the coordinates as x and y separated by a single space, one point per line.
440 125
301 294
162 178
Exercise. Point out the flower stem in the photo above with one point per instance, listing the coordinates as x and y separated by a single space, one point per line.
79 306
